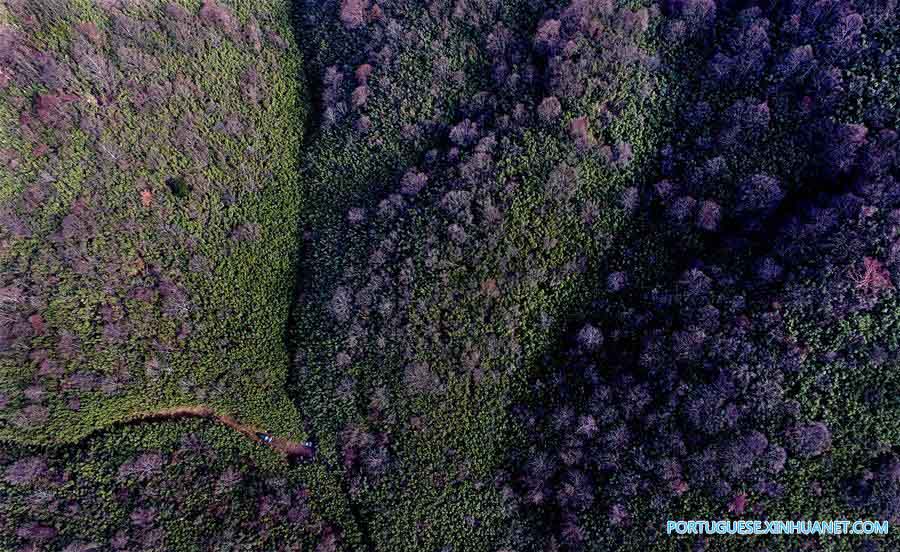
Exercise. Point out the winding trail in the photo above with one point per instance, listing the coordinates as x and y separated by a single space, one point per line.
292 450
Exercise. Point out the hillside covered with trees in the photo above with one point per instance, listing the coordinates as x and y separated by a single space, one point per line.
447 275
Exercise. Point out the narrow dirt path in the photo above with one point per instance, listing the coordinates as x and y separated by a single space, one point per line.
293 450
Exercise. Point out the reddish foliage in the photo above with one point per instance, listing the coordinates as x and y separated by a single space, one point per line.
549 109
353 13
37 324
90 31
874 278
580 133
218 15
738 504
50 108
362 73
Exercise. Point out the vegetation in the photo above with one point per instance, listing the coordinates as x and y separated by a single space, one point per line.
148 217
543 274
175 485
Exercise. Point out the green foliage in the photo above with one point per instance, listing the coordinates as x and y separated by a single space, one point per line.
206 486
165 198
439 276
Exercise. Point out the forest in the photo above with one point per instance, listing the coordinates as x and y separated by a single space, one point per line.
447 275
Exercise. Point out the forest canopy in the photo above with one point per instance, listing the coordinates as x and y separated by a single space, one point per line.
149 199
455 275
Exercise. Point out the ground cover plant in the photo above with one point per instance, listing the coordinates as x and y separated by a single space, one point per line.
532 275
